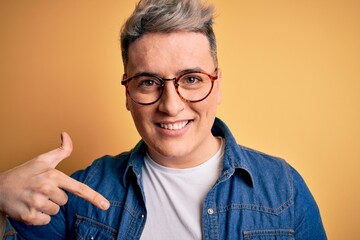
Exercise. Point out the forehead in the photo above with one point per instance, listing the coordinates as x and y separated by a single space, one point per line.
168 53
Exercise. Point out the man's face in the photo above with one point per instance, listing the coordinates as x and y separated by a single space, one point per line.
177 133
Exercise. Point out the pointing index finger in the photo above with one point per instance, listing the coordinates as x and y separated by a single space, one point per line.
83 191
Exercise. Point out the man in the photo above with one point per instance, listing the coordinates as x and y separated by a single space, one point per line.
187 178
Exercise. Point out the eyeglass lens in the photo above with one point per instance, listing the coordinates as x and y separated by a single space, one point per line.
145 89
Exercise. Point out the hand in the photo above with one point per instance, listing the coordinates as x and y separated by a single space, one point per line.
34 191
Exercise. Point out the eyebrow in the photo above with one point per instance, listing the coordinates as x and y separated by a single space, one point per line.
178 73
189 70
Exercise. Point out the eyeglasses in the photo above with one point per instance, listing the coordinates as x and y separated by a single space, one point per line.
146 89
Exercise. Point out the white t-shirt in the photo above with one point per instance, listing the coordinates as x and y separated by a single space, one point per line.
174 197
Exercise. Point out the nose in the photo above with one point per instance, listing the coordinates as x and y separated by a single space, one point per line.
170 102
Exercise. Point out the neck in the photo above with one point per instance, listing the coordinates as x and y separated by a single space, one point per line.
200 155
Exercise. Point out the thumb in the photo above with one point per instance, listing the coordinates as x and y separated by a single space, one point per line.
66 143
54 157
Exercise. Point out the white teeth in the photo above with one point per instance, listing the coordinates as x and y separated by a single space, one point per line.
174 126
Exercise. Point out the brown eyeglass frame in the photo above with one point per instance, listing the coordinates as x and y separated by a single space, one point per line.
125 82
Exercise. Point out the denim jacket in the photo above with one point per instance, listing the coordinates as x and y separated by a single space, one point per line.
257 196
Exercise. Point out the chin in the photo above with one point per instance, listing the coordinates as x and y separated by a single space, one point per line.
170 151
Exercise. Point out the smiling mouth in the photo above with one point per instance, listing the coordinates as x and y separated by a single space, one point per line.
174 126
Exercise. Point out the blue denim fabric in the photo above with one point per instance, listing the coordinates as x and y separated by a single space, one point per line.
256 197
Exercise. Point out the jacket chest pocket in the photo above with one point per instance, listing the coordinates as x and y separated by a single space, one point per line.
273 234
88 229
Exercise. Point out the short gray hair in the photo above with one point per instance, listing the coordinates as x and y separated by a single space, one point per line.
167 16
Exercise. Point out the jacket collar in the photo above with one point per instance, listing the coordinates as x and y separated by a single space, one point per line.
235 161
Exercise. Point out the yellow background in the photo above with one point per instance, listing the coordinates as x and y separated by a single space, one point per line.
291 85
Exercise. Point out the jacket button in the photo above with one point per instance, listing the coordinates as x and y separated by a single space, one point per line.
210 211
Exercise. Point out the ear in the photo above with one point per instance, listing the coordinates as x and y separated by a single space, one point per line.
219 97
127 104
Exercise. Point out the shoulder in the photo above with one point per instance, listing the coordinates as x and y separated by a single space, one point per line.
265 167
274 170
276 182
272 179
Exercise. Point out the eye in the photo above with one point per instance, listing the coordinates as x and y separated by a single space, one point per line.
192 79
147 82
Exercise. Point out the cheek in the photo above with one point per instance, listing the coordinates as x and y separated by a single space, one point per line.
216 92
140 114
136 114
207 109
138 120
219 96
214 99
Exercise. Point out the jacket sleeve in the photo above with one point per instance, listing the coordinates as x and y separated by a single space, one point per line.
9 232
308 224
55 230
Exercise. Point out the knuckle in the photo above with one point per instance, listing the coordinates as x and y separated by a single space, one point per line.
28 217
42 158
46 189
36 202
34 218
96 198
23 217
51 174
38 158
45 220
63 200
55 210
51 210
81 190
66 153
